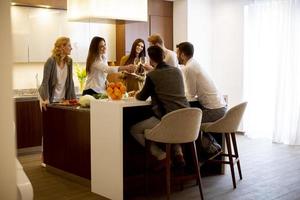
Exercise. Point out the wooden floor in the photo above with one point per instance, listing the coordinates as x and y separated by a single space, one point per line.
270 171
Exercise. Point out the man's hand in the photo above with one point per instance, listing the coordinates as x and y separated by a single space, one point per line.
148 67
132 93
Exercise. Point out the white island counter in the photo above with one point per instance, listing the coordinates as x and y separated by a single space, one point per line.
107 146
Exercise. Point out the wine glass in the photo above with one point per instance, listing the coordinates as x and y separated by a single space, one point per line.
143 60
136 62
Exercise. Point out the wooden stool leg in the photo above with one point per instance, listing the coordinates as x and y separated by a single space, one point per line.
168 170
196 164
237 154
147 164
230 159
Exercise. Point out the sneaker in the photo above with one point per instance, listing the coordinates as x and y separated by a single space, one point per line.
179 161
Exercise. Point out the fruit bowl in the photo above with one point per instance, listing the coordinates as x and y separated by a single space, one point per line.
115 91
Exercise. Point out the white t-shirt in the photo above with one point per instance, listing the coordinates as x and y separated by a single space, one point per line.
171 58
60 89
97 77
199 84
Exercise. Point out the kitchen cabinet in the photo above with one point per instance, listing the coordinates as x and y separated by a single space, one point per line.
36 29
45 27
160 21
28 119
20 33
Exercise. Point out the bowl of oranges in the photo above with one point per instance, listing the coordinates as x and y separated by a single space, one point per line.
115 91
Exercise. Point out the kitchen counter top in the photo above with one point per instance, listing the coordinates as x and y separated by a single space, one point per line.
25 98
69 107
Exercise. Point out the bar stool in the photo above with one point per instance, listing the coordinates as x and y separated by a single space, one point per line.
228 126
177 127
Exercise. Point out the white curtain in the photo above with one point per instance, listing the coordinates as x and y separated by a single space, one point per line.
272 70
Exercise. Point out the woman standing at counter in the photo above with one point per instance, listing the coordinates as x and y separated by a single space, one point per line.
58 82
97 67
132 82
137 51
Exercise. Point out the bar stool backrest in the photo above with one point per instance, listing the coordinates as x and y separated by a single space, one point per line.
179 126
229 122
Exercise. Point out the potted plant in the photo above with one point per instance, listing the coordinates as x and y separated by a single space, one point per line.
81 75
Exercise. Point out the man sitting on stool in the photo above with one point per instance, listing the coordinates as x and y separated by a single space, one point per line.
166 87
199 84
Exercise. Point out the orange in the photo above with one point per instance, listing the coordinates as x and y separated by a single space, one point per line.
111 84
123 89
119 84
113 97
109 90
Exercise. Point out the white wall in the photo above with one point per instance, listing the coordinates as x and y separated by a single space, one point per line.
7 139
200 30
227 47
179 22
24 75
215 27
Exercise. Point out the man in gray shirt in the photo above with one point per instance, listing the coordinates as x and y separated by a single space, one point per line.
165 86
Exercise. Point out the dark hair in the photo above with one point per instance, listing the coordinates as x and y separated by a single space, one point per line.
186 48
156 54
132 54
93 52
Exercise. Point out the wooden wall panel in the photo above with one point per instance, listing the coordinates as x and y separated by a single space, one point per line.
120 41
160 8
160 21
164 27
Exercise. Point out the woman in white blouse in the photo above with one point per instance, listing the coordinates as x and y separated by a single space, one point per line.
97 67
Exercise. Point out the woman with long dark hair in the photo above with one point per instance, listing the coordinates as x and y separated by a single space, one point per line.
97 67
134 82
137 51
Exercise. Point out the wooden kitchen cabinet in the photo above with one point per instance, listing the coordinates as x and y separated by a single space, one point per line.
28 119
160 21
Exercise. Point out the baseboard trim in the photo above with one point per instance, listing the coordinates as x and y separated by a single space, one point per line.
29 150
69 176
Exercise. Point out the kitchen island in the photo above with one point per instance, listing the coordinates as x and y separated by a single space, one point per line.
96 144
66 137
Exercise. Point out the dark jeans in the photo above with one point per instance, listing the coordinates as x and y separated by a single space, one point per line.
210 115
89 92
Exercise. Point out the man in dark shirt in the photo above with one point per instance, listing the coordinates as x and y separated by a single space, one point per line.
165 86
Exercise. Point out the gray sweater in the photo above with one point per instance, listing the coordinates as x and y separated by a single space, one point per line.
50 80
165 86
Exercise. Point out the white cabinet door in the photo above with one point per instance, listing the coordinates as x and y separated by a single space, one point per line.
36 29
20 33
44 30
78 32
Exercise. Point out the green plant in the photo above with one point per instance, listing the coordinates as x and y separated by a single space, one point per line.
81 75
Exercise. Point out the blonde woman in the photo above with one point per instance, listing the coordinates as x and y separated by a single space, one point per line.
58 82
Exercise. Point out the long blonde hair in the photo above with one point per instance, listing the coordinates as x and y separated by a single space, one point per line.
57 51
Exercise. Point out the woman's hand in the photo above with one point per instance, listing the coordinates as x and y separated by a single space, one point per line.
129 68
44 104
